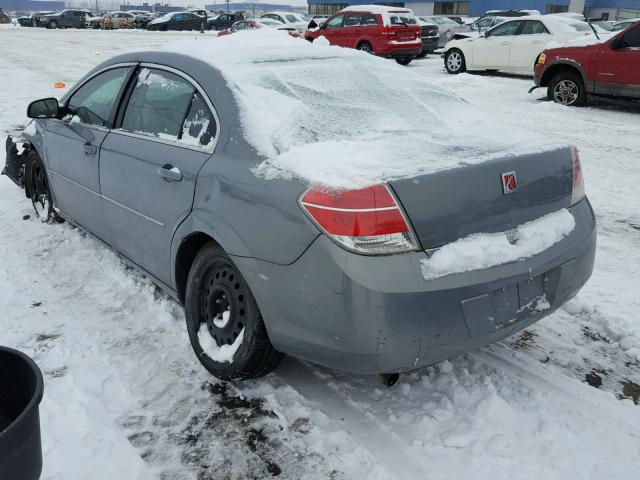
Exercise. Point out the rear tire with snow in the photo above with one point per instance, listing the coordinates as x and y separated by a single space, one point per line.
223 317
365 47
404 60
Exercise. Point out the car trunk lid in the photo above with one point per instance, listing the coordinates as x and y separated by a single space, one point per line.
451 204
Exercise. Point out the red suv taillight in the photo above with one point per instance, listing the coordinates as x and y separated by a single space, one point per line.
367 220
577 193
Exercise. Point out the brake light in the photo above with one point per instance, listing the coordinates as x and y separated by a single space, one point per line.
446 32
367 220
577 192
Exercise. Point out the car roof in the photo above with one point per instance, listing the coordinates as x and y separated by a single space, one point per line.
376 9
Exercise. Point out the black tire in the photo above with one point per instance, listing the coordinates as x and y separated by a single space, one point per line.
365 47
52 24
215 286
567 88
454 61
37 188
404 60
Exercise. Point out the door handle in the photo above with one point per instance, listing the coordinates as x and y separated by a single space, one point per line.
170 173
89 149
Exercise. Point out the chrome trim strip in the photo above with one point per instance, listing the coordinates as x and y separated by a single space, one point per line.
151 138
146 217
74 182
359 210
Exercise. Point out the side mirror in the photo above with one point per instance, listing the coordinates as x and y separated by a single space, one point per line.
45 108
616 43
323 25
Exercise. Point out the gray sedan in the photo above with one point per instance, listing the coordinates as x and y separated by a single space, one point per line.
446 28
147 154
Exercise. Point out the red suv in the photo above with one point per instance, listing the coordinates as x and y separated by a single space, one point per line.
390 32
607 68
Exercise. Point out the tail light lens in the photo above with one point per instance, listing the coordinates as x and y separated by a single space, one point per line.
577 193
367 220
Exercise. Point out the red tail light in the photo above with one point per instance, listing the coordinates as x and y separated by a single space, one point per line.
447 31
577 193
368 220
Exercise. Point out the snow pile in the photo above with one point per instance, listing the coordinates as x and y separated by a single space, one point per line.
343 118
484 250
217 353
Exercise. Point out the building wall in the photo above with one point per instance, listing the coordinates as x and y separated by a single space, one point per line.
29 5
616 8
244 6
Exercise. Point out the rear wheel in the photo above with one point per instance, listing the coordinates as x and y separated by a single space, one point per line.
454 61
37 187
404 60
365 47
566 88
224 323
53 24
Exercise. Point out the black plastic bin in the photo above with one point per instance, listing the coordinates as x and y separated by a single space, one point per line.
21 390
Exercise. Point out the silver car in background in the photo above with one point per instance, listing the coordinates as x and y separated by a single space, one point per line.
446 28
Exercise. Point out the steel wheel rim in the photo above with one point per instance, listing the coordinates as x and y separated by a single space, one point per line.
224 304
566 92
40 193
454 61
365 48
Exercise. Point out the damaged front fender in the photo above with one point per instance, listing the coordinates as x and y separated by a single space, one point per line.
16 156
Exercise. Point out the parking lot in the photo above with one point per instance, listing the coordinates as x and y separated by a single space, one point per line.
126 399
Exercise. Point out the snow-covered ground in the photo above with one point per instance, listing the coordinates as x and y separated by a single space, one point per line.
125 397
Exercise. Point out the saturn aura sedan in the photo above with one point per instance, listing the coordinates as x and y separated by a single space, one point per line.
181 162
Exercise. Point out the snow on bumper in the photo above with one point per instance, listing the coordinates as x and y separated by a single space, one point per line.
484 250
378 314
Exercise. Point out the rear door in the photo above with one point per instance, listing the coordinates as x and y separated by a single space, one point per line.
149 165
492 50
350 32
618 70
72 145
527 45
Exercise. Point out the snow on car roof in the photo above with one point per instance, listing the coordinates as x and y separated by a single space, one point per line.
343 118
376 9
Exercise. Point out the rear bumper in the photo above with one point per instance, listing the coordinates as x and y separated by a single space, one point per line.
429 44
400 51
377 314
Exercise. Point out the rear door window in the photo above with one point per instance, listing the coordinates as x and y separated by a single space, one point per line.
166 106
93 102
368 19
352 20
532 27
505 29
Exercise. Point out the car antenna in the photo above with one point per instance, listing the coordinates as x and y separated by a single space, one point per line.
589 20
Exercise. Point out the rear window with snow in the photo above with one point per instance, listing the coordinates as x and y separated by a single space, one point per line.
576 26
339 117
167 106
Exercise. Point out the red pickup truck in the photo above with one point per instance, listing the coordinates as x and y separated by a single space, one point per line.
607 68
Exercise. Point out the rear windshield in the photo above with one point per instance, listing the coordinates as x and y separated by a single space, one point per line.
576 26
402 19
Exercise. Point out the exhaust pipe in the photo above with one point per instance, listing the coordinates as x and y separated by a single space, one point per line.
389 379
